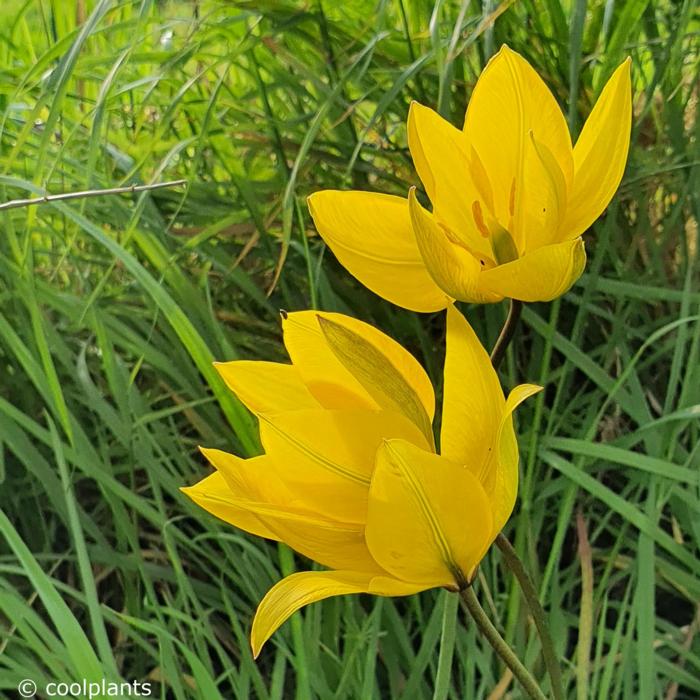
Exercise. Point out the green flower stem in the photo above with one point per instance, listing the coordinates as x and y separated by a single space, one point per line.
516 567
500 646
510 556
507 333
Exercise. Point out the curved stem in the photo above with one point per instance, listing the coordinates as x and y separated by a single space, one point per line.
507 333
533 602
500 646
509 554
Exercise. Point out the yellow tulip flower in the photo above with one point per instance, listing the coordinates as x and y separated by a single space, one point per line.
350 476
510 196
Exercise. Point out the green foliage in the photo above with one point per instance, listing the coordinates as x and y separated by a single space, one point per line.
112 309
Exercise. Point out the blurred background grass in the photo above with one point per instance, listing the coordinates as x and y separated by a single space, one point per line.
112 310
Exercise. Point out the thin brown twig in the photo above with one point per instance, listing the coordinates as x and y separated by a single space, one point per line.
65 196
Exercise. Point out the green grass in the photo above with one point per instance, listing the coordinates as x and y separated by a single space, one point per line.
112 310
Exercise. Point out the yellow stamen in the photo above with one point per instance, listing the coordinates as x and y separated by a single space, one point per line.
479 219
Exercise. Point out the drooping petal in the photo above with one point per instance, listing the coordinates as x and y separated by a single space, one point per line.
266 386
306 587
499 474
473 399
370 234
327 457
542 275
214 495
508 102
442 156
294 592
390 387
600 154
452 267
429 521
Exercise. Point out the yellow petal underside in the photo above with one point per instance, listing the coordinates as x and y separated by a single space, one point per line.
508 102
385 383
542 275
404 362
442 156
214 495
473 399
429 521
266 386
370 234
327 457
452 267
600 154
303 588
321 369
499 474
255 494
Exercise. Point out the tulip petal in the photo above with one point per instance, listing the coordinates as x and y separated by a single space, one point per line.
214 495
499 475
600 154
327 457
254 479
386 384
320 370
452 267
542 275
429 521
405 363
544 198
294 592
266 386
508 102
370 234
473 399
323 372
258 493
442 156
306 587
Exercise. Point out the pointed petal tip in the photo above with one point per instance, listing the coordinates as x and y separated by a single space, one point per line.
204 451
519 394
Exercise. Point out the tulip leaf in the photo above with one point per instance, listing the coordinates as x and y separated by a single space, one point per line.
384 383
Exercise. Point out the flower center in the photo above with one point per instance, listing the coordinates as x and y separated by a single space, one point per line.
502 243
